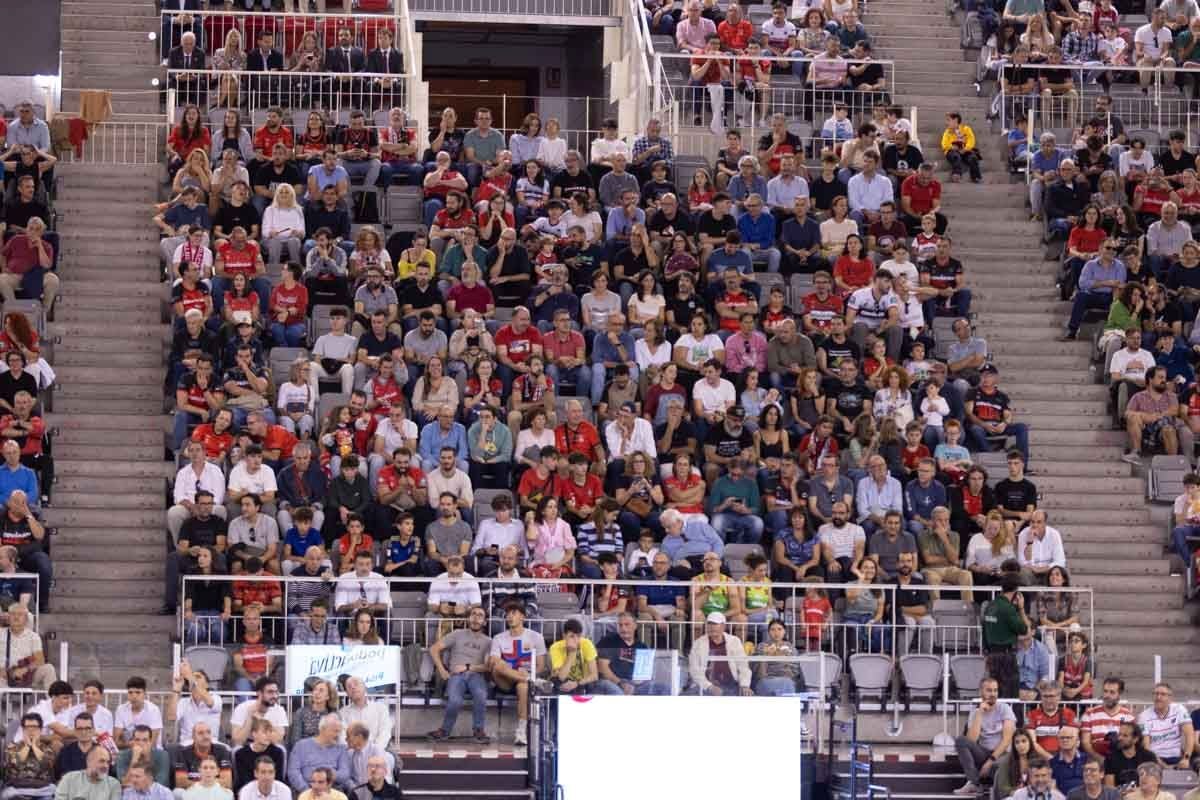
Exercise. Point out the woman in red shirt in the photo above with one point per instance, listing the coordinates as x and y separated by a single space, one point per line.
289 308
1084 243
190 134
1149 196
216 436
241 305
684 488
313 140
852 270
493 220
700 193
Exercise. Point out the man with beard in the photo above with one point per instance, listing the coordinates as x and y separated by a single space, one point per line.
1041 783
842 544
1101 724
915 606
1121 765
1152 418
265 704
467 652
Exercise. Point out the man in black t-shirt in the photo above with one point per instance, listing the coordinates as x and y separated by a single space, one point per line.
714 224
572 179
726 443
989 413
834 350
1016 495
279 170
684 304
617 656
238 213
24 208
850 396
682 434
1176 159
668 220
358 150
1122 763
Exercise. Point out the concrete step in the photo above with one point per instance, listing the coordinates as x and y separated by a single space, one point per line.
1093 550
1065 501
1053 485
72 423
83 358
1079 437
1092 567
144 311
1070 363
115 551
1142 533
1056 391
100 452
147 405
113 589
1090 469
116 468
117 572
105 377
1069 516
122 436
131 498
1156 599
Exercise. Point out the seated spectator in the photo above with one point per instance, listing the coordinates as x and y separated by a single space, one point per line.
735 506
730 673
868 191
451 596
959 148
1152 418
943 276
1128 754
264 786
320 752
989 414
321 786
1068 765
208 785
27 260
25 664
1167 729
143 756
464 670
93 780
876 494
843 544
29 760
757 230
1048 718
1041 783
573 664
940 550
887 544
517 659
362 590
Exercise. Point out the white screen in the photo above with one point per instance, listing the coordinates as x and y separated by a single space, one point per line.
758 739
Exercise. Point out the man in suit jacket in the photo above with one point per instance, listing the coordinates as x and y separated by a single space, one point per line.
175 25
192 85
386 60
265 58
347 58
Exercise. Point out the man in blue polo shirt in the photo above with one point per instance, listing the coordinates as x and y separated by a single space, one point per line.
14 475
665 604
757 228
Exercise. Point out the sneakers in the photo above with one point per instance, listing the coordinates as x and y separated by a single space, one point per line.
480 736
519 737
967 789
1131 457
1068 336
437 735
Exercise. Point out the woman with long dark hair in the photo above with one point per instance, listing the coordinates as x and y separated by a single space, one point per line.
190 134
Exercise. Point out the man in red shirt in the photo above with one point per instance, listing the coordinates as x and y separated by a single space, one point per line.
26 260
539 482
579 490
265 596
448 222
401 487
821 306
383 390
921 194
735 32
275 440
266 137
189 293
439 183
25 429
469 294
515 343
564 351
250 660
1045 719
577 435
240 255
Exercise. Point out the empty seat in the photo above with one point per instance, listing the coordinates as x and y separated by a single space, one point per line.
407 616
1164 480
922 675
484 497
967 671
811 666
872 676
281 361
212 660
735 558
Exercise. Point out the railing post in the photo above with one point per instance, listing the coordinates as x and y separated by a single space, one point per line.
944 739
64 661
1158 676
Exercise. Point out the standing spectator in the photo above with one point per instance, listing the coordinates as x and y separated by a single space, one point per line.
988 736
1004 620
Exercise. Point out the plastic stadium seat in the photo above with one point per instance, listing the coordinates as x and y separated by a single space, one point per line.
214 661
406 608
810 668
966 672
799 285
328 402
1164 480
922 676
281 361
872 676
320 324
484 497
735 555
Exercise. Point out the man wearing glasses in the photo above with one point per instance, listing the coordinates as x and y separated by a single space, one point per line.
1100 278
75 755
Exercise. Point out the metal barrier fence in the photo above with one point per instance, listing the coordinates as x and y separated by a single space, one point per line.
1056 105
579 118
289 31
521 8
121 144
889 630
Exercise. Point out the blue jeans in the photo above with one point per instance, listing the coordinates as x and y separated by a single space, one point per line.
1084 300
410 173
1179 541
978 441
206 627
39 562
579 380
430 209
738 528
240 414
960 304
244 685
289 335
776 520
457 688
183 422
776 687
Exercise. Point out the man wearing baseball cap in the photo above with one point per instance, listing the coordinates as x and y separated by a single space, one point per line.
717 664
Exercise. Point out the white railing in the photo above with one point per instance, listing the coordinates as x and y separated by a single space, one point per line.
520 10
337 93
122 144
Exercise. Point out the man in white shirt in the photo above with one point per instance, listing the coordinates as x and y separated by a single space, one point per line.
1127 371
252 476
629 434
711 398
1152 46
1167 729
361 589
449 478
1039 547
868 190
451 596
265 705
264 786
199 473
137 710
93 697
496 533
876 309
842 544
333 355
373 715
55 711
23 660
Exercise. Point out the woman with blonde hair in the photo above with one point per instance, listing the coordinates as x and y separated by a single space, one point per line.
228 61
552 149
370 252
296 402
283 225
988 551
322 699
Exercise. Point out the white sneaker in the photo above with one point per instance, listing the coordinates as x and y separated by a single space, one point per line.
967 789
519 737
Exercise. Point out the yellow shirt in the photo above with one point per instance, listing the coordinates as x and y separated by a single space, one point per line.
584 656
965 134
405 269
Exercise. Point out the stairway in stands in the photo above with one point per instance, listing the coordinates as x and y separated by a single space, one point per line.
108 502
1091 495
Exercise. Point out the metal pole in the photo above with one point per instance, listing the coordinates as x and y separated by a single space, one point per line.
944 739
64 661
1157 668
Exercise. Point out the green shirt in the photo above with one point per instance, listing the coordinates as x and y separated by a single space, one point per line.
76 786
929 544
1120 318
1021 8
745 490
455 256
1002 623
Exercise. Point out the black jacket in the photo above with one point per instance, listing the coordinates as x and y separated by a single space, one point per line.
335 60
